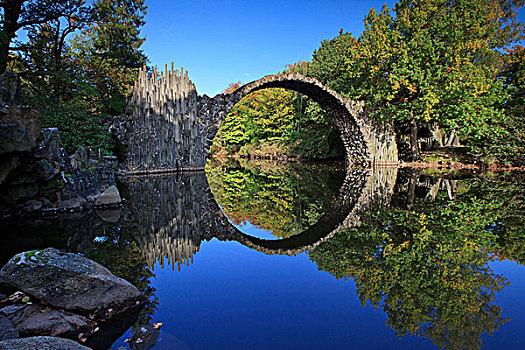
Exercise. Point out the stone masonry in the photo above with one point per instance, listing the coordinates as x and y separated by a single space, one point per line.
172 128
367 142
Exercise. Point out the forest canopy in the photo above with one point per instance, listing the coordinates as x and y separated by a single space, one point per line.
453 67
78 63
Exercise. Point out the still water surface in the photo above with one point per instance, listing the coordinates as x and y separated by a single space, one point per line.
263 255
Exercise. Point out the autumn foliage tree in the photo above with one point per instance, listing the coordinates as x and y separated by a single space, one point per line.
427 61
429 270
232 87
278 123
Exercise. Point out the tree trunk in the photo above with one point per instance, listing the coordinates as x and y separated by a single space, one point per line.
411 192
12 10
437 133
413 137
57 87
4 55
453 140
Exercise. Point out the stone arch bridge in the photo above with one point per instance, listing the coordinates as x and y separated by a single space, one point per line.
170 127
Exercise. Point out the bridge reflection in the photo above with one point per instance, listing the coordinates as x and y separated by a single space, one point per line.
172 214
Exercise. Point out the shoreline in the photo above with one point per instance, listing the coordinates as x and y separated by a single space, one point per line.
441 165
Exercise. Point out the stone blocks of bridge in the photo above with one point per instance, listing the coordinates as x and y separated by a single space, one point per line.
172 127
367 141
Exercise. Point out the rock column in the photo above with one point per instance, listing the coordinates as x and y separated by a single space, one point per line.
165 129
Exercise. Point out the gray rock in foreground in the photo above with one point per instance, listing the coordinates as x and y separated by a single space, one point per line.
111 196
41 343
69 281
7 329
29 320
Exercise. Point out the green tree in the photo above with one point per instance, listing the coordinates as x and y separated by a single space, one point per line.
431 61
284 198
96 72
109 51
511 145
49 74
264 117
278 123
18 14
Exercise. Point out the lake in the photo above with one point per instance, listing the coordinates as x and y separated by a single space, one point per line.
269 255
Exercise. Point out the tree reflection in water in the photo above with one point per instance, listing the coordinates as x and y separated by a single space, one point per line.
426 263
282 198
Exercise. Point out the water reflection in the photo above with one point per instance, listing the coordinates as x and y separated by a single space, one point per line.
420 246
425 259
282 199
172 215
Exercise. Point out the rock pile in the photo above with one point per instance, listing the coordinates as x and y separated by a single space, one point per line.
61 294
36 173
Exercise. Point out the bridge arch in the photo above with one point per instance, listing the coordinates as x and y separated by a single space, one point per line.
169 127
366 142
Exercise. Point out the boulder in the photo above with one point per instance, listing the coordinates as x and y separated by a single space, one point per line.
32 205
7 329
29 320
46 169
72 203
112 216
69 281
19 193
19 129
41 343
111 196
7 165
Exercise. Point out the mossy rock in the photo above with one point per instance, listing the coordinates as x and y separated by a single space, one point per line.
51 188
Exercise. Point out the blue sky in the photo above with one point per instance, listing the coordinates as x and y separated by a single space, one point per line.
220 42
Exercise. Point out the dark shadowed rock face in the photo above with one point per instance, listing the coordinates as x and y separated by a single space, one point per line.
10 90
36 319
19 192
69 281
7 329
49 147
19 129
42 343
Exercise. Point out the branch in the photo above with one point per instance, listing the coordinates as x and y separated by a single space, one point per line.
19 48
37 21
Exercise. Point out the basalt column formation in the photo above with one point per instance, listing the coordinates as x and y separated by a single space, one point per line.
166 132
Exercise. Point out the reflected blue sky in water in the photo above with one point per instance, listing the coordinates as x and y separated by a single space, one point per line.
510 299
255 231
233 297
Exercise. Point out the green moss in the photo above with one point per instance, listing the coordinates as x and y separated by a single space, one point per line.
50 188
31 255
